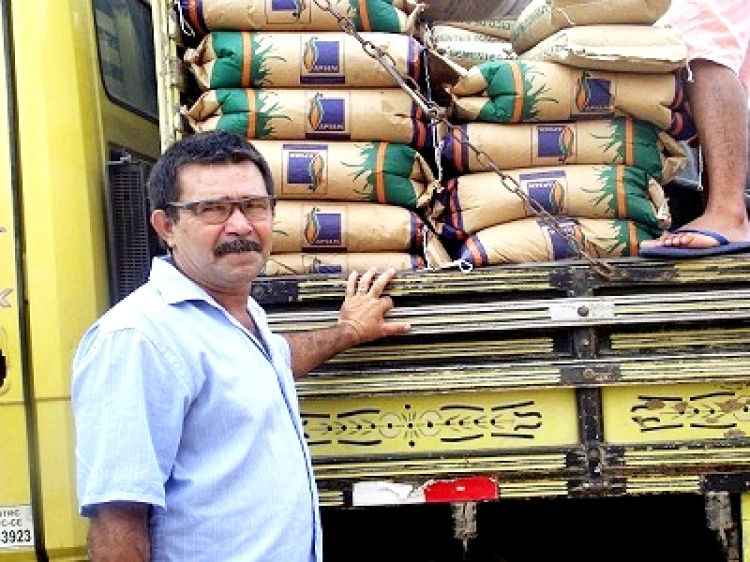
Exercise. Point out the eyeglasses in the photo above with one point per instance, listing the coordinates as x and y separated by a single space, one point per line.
217 211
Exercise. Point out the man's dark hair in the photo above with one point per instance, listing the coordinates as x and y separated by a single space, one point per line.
210 147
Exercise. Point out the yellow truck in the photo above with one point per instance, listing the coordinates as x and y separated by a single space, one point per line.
544 387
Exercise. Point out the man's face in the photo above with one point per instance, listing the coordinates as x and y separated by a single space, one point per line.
200 249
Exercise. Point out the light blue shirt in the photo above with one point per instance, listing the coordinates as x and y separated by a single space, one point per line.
180 407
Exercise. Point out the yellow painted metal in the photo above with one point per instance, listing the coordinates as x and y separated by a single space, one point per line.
529 465
430 380
331 498
372 426
730 367
674 483
685 460
66 126
664 413
545 488
61 173
479 281
680 339
474 349
15 483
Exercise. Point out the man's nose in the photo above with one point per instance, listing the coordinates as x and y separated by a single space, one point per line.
237 219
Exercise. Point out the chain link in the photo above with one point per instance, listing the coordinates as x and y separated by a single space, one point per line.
437 116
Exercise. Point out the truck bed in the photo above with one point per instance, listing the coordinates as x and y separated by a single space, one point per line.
547 378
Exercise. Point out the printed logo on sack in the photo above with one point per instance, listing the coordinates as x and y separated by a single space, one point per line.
327 116
559 246
547 189
323 230
593 96
322 62
555 142
305 169
317 265
286 11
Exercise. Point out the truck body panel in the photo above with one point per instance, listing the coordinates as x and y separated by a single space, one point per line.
61 128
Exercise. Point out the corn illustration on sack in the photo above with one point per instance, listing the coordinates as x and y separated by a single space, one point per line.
301 114
327 263
293 15
473 202
377 172
613 48
314 226
531 240
542 18
528 91
235 59
600 141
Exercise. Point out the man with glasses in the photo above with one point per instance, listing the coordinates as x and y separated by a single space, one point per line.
190 444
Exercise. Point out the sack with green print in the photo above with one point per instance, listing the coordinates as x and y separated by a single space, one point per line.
256 59
500 28
532 240
530 91
620 140
204 16
328 226
377 172
470 203
389 115
542 18
614 48
339 264
467 48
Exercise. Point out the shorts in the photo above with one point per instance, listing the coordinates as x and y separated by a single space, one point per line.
715 30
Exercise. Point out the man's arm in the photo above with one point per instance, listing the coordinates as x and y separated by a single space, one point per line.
118 532
361 319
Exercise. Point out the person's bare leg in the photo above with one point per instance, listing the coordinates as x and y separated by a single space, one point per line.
719 104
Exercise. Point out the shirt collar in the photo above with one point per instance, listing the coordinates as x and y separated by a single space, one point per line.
176 287
173 285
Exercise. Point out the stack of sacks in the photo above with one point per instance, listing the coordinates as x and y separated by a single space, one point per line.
616 36
468 44
591 145
341 138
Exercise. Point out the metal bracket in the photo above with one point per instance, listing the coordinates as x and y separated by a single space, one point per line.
597 487
720 519
590 374
464 522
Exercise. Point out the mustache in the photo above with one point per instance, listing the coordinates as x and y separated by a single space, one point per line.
237 246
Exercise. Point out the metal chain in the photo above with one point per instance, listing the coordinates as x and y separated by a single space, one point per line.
437 116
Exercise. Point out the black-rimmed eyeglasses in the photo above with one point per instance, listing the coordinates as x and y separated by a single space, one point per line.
217 211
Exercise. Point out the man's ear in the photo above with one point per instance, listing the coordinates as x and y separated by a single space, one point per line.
163 226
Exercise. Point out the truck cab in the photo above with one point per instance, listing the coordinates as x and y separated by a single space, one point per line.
78 133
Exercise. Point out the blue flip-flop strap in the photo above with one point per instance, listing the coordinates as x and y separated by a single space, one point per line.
705 232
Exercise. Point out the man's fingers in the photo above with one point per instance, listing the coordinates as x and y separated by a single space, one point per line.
365 281
383 280
396 328
351 283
